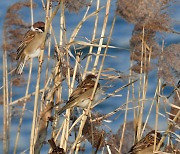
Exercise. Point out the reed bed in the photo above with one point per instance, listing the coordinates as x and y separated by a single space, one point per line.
63 65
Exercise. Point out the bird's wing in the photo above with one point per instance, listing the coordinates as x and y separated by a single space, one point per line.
145 142
26 40
82 88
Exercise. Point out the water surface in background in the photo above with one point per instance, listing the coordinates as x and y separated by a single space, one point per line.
121 36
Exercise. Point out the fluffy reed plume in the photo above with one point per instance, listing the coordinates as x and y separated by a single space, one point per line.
170 64
15 27
75 6
149 18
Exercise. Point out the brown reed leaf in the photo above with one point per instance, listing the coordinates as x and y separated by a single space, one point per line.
97 134
45 114
1 100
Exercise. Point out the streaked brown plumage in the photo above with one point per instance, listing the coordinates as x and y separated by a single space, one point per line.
80 97
30 45
146 144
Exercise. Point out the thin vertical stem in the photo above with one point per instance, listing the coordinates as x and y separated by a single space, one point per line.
95 86
125 116
140 104
102 37
5 105
27 88
6 122
23 109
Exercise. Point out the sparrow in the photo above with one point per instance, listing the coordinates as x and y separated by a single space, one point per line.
31 45
146 144
81 96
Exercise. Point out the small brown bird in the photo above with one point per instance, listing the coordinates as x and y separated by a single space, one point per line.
146 144
31 45
81 96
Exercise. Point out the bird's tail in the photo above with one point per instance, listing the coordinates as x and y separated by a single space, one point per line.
19 68
62 110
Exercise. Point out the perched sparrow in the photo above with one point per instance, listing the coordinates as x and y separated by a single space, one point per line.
30 45
146 144
81 96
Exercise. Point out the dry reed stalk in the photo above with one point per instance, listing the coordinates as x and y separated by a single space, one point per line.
23 108
27 88
34 122
145 83
168 130
65 135
62 41
141 90
157 111
53 85
101 38
49 43
149 60
66 124
114 93
6 122
93 38
150 109
78 27
85 114
125 115
157 105
24 98
133 100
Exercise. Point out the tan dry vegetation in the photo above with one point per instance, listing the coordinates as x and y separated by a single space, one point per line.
70 133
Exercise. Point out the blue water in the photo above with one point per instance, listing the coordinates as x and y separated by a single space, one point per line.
120 38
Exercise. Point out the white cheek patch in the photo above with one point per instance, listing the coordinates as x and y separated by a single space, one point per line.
40 30
36 29
32 28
